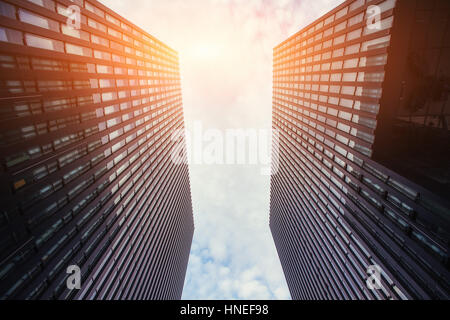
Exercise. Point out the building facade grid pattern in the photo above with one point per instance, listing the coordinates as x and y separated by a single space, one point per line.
87 117
335 211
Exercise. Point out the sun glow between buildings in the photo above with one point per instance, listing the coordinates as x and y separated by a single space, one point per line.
206 51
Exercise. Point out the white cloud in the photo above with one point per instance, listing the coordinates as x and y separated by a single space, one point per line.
225 49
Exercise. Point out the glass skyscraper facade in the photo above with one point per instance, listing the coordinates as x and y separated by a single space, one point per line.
88 106
363 172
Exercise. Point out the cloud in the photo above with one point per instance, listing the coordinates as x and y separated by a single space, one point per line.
225 49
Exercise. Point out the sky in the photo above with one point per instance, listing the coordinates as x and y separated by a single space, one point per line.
225 49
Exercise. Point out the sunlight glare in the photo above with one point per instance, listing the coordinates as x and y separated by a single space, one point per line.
206 51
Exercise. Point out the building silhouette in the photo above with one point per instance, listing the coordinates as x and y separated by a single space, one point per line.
89 103
360 100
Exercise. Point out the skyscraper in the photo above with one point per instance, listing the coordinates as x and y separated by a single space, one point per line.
89 103
359 207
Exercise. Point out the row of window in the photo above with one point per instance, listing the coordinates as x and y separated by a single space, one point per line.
31 40
112 169
144 113
57 7
306 38
344 106
331 61
316 160
123 244
320 224
139 107
339 95
329 119
47 64
305 70
391 214
89 227
118 149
